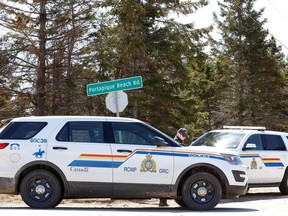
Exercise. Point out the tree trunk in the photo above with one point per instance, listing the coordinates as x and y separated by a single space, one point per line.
40 104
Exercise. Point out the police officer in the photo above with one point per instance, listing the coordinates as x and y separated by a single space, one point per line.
180 136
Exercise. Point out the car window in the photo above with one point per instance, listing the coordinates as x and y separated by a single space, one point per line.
81 131
273 142
132 133
22 130
255 139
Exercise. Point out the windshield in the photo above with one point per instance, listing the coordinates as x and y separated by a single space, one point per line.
219 139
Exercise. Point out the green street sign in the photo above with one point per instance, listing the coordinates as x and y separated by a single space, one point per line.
114 85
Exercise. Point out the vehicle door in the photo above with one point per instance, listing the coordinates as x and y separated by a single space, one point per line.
251 157
264 164
138 163
274 157
80 152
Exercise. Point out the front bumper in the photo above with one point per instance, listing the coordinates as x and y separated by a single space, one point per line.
235 191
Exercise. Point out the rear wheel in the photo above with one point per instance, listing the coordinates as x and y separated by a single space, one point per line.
201 191
40 189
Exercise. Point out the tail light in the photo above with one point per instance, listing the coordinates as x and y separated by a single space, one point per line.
3 145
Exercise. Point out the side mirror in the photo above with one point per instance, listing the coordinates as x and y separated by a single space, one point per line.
158 141
250 146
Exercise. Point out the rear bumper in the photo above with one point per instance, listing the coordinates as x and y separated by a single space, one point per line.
7 186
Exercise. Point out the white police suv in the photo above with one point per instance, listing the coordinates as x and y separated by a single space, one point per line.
263 152
47 159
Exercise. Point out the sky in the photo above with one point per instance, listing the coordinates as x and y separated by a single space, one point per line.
276 13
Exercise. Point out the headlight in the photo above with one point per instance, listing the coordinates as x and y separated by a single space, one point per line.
232 159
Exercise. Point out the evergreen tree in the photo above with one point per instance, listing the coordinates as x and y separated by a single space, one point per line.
145 40
254 73
47 40
56 54
5 94
13 98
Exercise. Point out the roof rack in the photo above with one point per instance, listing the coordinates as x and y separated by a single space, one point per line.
245 127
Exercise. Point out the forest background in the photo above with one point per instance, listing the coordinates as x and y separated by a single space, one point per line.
50 50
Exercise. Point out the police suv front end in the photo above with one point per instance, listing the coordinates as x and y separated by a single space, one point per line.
225 164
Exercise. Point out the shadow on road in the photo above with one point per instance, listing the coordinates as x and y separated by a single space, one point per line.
131 210
257 197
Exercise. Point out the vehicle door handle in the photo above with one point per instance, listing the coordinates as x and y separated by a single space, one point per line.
60 148
124 151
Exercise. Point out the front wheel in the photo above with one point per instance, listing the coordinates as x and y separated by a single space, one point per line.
284 185
40 189
201 191
180 202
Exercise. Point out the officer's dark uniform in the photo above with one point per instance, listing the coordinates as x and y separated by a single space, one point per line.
184 133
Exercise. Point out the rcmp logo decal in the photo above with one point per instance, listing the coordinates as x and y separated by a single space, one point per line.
148 164
254 164
268 162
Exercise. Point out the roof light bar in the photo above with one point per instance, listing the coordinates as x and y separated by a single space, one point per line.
245 127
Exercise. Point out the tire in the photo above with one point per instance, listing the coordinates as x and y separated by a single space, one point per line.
41 189
201 191
180 202
284 185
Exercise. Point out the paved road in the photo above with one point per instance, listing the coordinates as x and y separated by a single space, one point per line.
255 203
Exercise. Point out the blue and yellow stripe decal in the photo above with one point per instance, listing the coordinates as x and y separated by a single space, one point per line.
115 161
96 160
268 162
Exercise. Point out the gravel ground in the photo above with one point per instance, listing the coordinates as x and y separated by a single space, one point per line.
16 201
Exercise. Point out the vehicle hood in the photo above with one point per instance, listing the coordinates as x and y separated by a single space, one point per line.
209 150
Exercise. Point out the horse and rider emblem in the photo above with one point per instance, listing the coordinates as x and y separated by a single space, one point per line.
148 164
39 153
